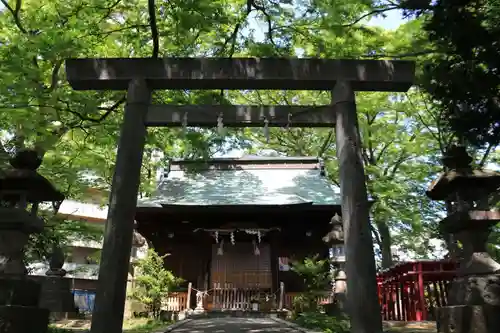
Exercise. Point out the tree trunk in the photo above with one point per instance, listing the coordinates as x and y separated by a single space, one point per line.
386 242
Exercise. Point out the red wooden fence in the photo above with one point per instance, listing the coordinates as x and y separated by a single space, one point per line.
412 291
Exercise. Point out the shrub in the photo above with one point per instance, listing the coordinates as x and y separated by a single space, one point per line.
317 279
153 282
58 330
323 322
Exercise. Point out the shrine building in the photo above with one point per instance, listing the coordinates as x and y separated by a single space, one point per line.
236 224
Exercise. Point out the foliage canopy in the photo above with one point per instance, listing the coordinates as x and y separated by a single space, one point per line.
403 134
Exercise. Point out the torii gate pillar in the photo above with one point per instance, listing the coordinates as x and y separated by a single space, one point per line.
140 75
118 232
358 243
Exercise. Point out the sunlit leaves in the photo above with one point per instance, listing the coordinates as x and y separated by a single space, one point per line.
77 131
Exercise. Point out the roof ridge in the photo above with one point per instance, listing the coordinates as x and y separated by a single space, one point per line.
248 160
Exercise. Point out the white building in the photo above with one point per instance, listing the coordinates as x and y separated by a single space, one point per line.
81 261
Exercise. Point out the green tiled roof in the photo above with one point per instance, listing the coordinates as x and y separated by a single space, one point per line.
276 183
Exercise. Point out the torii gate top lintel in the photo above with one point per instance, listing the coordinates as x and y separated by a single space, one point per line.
240 73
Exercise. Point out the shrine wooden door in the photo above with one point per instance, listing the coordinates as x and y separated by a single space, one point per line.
240 267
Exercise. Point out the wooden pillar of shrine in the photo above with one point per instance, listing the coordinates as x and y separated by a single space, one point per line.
273 243
362 300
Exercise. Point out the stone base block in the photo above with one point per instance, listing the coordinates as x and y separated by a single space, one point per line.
172 315
339 307
23 319
335 310
475 289
56 295
19 291
468 319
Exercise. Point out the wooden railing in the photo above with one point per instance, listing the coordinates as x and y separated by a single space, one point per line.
175 301
412 291
226 297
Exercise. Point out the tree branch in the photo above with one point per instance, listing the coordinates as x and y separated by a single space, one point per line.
154 28
108 9
15 14
269 20
401 55
55 75
373 12
383 150
109 32
376 234
486 155
234 35
326 143
399 161
371 153
402 158
102 117
436 137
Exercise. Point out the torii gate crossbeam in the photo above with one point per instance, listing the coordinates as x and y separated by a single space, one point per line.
142 75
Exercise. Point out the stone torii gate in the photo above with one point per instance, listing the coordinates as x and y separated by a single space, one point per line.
142 75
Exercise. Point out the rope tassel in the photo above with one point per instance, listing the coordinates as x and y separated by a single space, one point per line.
266 129
220 123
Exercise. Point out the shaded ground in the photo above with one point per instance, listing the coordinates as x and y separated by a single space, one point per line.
410 327
73 324
140 325
250 325
233 325
209 325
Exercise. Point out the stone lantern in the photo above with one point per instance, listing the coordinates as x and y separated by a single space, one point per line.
335 238
137 239
474 298
22 189
56 292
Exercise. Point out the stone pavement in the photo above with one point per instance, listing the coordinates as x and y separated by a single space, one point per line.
233 325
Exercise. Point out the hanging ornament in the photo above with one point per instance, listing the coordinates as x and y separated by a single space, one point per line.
266 129
258 236
216 237
256 250
220 250
185 121
220 123
289 124
232 238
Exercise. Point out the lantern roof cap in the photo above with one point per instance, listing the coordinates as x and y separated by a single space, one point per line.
462 178
24 180
474 184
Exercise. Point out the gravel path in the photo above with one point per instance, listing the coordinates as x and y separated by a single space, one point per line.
233 325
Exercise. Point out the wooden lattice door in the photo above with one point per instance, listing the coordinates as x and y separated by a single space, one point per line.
239 267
